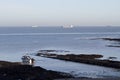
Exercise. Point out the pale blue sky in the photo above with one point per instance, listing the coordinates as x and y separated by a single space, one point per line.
59 12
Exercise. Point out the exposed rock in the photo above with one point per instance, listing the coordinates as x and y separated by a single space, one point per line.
15 71
113 46
88 59
80 56
115 42
112 39
8 64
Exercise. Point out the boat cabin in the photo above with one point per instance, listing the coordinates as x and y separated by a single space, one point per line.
27 60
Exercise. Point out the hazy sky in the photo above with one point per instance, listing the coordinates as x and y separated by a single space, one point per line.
59 12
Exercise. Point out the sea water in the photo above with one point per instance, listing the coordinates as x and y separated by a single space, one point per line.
18 41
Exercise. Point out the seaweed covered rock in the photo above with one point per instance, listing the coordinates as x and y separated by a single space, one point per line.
27 72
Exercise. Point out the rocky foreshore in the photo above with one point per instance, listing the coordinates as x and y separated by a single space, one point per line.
16 71
115 42
112 39
93 59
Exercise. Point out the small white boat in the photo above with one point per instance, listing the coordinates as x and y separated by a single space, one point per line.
35 26
27 60
71 26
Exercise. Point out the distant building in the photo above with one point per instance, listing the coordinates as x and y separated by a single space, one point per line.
27 60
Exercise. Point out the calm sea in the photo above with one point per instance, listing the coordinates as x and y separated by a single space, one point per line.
17 41
78 40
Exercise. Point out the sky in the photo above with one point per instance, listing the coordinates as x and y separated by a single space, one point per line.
59 12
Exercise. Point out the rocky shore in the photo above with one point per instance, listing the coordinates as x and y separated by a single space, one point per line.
115 42
93 59
112 39
16 71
